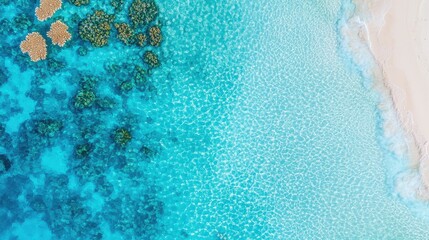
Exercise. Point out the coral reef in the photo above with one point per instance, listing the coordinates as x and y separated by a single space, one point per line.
79 2
83 150
117 5
48 127
82 51
125 32
55 65
84 99
147 153
47 9
88 82
58 33
3 77
35 45
155 36
96 28
142 12
140 39
135 213
105 103
139 76
22 22
126 86
5 163
122 136
151 59
86 120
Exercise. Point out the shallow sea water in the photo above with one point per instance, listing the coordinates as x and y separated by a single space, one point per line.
257 125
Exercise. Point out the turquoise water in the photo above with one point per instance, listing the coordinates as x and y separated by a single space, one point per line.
257 125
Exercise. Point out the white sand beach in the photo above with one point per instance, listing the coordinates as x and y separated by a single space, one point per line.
397 33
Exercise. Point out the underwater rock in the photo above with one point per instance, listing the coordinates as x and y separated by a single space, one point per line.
151 59
84 99
155 36
95 28
83 150
5 163
79 2
122 137
48 127
140 39
125 32
142 12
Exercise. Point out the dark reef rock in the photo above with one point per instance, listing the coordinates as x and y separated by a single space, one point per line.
3 77
5 163
82 51
88 82
151 59
103 186
147 153
83 150
122 136
142 12
48 127
139 77
96 28
22 22
84 99
79 2
37 203
55 65
126 86
105 103
117 5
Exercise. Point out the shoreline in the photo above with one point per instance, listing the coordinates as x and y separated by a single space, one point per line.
396 34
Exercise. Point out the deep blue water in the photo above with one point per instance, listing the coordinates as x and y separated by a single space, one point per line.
256 125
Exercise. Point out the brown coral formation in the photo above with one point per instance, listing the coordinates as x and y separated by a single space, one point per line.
125 32
47 8
58 33
140 39
155 36
35 45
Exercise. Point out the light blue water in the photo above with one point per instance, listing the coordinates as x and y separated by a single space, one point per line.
259 127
